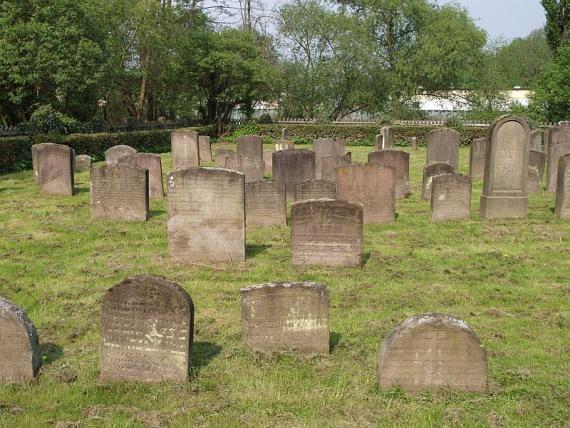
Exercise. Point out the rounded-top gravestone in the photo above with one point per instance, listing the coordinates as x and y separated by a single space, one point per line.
113 154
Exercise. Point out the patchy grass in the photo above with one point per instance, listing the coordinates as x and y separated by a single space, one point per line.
508 279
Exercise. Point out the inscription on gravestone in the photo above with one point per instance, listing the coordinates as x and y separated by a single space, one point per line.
205 148
562 209
315 189
451 198
185 148
443 146
113 154
250 146
400 161
329 164
54 168
150 162
477 158
265 203
293 166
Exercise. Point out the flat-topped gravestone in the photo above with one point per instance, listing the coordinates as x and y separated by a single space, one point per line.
82 163
477 158
562 208
206 216
536 164
433 351
315 189
113 154
54 168
326 232
293 166
204 148
265 203
431 171
558 146
150 162
185 148
372 186
279 317
119 192
147 327
250 146
329 164
19 346
253 169
400 161
222 155
536 141
506 169
284 145
268 159
451 197
384 140
443 146
326 147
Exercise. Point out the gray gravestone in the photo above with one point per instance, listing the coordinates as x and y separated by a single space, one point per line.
477 158
433 352
82 163
250 146
204 148
443 146
326 147
536 164
268 159
185 148
536 141
293 166
329 164
558 146
400 161
147 326
431 171
222 155
113 154
414 143
284 134
151 162
265 203
562 209
451 197
253 169
315 189
284 145
384 140
54 168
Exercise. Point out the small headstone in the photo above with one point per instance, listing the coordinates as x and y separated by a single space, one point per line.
431 171
222 155
147 327
265 203
54 168
562 209
564 123
443 146
268 159
82 163
450 197
185 148
315 189
400 161
536 140
253 169
326 147
384 140
558 146
19 346
329 164
293 166
536 164
150 162
414 144
326 232
250 146
205 148
280 317
284 134
477 158
113 154
284 145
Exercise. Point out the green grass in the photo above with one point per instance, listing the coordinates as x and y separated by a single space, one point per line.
509 280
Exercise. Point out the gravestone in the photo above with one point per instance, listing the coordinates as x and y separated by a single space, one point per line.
54 168
536 141
150 162
293 166
253 169
265 203
326 232
433 351
82 163
431 171
206 216
147 327
414 144
278 317
284 145
119 192
562 208
372 186
326 147
443 146
222 155
315 189
284 134
536 164
506 169
450 197
477 158
19 347
329 164
384 140
400 161
185 148
113 154
268 159
558 146
35 162
250 146
204 148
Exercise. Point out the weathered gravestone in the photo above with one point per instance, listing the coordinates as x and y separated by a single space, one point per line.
400 161
284 134
536 140
372 186
222 155
433 351
82 163
536 164
326 147
185 148
329 164
477 158
562 209
451 197
113 154
431 171
315 189
506 169
253 169
19 346
119 192
204 148
558 146
206 215
293 166
282 316
284 145
414 144
384 140
265 203
326 232
250 146
268 159
443 146
54 168
147 327
150 162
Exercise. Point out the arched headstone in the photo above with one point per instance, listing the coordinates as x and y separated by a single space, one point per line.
477 158
451 197
562 209
315 189
400 161
152 163
265 203
430 171
82 163
250 146
113 154
185 148
293 166
54 168
443 146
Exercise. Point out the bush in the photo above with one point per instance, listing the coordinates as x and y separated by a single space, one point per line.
47 120
264 119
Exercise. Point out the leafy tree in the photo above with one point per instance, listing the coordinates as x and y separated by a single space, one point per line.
557 22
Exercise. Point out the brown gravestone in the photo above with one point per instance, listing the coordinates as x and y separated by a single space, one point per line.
268 159
250 146
119 192
115 153
450 197
284 145
433 351
400 161
54 168
253 169
315 189
443 146
293 166
536 164
206 215
326 147
536 140
282 316
150 162
562 209
204 148
558 146
477 158
384 140
329 164
506 169
222 155
185 148
19 346
326 232
82 163
265 203
431 171
147 326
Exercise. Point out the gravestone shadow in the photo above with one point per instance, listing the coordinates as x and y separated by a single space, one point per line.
253 250
155 213
201 355
334 339
365 257
50 352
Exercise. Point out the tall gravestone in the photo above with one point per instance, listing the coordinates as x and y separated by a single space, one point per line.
253 169
562 208
222 155
152 163
278 317
315 189
451 198
477 158
54 168
113 154
326 232
558 146
119 192
19 347
536 164
400 161
443 146
268 159
147 327
536 140
82 163
326 147
204 148
433 351
206 215
250 146
372 186
431 171
265 203
384 140
506 169
330 163
292 167
185 148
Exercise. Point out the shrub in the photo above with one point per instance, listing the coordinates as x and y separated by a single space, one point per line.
264 119
47 120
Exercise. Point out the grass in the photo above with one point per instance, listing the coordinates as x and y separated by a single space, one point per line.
509 280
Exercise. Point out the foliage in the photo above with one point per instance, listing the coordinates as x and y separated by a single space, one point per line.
557 22
264 119
47 120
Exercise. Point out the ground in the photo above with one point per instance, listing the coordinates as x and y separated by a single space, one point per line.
509 280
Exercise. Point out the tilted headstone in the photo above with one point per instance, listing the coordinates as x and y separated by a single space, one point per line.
54 168
268 159
82 163
326 232
222 155
329 164
506 169
558 146
19 347
315 189
400 161
431 171
150 162
278 317
433 351
562 208
185 148
284 145
451 197
265 203
477 158
119 192
253 169
293 166
326 147
205 148
206 215
250 146
536 140
443 146
372 186
147 327
113 154
384 140
536 164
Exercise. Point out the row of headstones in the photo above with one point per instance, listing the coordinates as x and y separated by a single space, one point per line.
147 329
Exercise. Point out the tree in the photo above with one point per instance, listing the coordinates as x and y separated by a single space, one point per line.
557 22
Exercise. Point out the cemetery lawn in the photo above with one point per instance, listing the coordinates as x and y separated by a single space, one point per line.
509 280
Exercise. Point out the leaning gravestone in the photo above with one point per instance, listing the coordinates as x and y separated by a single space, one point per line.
477 158
451 197
315 189
562 209
293 166
250 146
372 186
400 161
326 232
384 140
431 171
433 351
119 192
253 169
536 163
326 147
185 148
536 140
558 146
443 146
113 154
265 203
330 163
206 215
54 168
82 163
283 316
150 162
204 148
147 326
506 169
19 346
222 155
